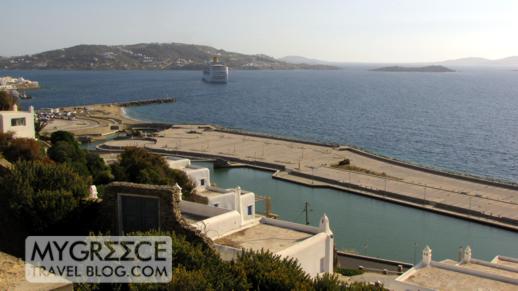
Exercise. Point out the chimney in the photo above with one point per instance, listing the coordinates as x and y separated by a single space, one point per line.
15 107
427 256
324 225
467 255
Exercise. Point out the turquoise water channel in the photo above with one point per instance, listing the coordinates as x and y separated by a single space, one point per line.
369 226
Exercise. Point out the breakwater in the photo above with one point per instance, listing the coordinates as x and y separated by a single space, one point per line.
145 102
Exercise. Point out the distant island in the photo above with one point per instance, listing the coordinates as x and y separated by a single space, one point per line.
146 56
431 69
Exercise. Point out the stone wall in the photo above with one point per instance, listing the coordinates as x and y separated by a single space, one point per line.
170 214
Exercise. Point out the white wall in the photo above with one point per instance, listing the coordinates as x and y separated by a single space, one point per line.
197 175
247 199
200 209
217 226
223 200
26 131
314 254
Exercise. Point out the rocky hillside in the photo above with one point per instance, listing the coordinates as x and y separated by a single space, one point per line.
147 56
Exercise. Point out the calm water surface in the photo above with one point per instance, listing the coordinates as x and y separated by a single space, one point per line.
370 226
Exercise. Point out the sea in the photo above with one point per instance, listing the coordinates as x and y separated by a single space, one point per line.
466 121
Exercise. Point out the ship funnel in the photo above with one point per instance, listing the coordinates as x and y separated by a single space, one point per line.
215 59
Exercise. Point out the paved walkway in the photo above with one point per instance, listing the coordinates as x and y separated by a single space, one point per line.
319 161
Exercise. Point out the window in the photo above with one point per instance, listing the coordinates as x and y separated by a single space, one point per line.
250 209
216 204
18 121
202 182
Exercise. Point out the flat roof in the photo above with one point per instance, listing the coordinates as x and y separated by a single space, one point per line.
210 193
442 279
509 263
193 218
490 270
264 236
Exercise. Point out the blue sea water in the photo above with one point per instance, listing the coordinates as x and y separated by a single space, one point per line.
463 121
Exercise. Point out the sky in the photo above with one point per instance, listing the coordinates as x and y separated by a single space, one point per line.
334 30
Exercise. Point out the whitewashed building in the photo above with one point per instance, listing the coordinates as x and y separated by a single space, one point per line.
466 274
21 123
229 219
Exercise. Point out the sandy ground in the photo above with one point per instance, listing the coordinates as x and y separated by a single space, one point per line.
318 160
97 121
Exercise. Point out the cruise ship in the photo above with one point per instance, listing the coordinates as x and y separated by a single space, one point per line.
216 72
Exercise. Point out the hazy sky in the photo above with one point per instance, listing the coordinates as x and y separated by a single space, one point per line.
339 30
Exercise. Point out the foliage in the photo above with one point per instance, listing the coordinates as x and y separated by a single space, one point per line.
5 139
65 149
98 169
62 136
41 194
349 272
69 152
266 271
140 166
328 282
25 149
38 126
7 100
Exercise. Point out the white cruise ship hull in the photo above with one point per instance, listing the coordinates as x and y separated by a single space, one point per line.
216 74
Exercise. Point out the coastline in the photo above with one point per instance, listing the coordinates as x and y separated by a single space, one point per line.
308 163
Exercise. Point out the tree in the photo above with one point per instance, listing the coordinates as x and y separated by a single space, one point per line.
62 136
63 151
25 149
41 194
7 100
100 172
137 165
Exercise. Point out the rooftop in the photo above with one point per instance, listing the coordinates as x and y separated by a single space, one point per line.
264 236
491 269
510 262
442 279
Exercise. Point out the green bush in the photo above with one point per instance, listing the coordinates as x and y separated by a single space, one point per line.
349 272
137 165
41 194
62 136
266 271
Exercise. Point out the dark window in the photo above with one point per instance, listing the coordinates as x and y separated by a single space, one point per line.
202 182
18 121
139 213
250 210
216 204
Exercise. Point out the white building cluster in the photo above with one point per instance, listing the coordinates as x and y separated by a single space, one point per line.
11 83
229 219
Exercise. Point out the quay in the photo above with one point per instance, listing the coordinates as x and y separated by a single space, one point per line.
318 165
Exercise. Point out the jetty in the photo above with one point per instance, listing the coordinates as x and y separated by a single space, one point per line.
345 168
145 102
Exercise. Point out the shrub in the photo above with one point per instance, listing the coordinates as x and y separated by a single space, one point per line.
41 194
62 136
140 166
25 149
266 271
349 272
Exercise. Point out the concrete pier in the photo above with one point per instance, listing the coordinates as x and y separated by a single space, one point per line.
312 164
